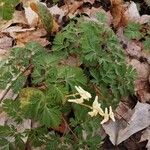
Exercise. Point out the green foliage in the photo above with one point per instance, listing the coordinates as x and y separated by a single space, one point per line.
13 110
10 139
132 31
136 31
7 8
45 16
102 57
147 43
44 82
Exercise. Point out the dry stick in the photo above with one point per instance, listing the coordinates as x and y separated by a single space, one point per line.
11 83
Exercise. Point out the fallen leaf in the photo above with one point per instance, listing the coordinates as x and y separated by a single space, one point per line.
138 119
18 18
31 16
146 136
133 14
55 10
142 69
5 42
16 29
38 36
132 48
70 9
118 13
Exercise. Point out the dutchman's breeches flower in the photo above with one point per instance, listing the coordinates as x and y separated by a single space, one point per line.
96 106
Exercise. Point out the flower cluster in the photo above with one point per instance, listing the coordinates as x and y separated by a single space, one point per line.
84 96
96 106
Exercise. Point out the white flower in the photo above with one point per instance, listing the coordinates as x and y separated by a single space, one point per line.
111 114
106 116
96 108
84 94
78 100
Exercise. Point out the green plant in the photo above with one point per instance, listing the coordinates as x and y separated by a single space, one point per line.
133 31
44 81
136 31
7 8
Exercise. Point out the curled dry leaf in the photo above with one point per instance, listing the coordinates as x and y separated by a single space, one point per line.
137 120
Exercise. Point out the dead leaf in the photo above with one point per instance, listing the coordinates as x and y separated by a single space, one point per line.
142 69
118 13
146 136
133 14
18 18
132 48
23 38
31 16
55 10
139 118
5 42
16 29
71 8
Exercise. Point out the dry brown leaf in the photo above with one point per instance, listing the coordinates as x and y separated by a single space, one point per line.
138 119
16 29
70 9
55 27
23 38
18 18
142 90
118 13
